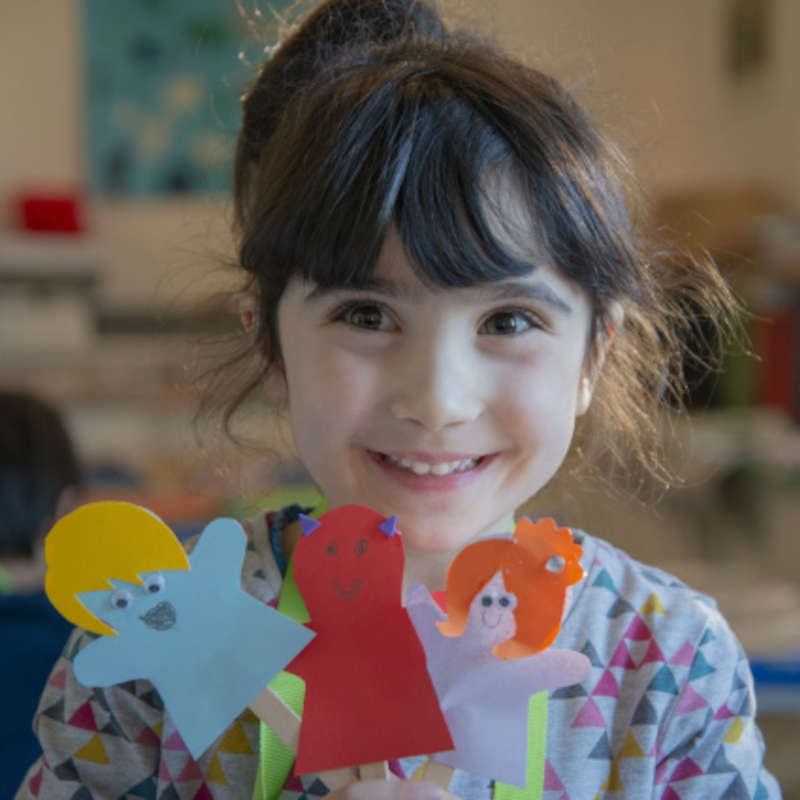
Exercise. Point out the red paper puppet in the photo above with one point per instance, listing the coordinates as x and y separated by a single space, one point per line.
369 697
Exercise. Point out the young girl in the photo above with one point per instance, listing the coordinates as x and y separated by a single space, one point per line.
444 281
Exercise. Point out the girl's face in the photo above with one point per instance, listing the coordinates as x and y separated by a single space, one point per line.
447 407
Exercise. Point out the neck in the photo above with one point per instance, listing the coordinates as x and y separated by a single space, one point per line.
430 569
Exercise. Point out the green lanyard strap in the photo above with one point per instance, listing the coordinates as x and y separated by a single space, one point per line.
537 749
275 759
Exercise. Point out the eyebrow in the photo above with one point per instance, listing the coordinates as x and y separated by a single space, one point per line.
491 292
514 290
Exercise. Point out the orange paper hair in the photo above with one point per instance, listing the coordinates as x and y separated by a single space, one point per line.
539 583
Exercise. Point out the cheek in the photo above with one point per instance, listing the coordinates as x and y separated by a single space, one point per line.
330 402
322 389
538 401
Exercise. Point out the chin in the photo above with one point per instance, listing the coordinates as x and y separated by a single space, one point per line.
435 541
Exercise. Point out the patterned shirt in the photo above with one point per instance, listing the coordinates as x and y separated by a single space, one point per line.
667 712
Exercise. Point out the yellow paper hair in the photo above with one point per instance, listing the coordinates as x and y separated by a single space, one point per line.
105 540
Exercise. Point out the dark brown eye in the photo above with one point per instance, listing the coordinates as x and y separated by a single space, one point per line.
332 549
366 315
361 547
509 322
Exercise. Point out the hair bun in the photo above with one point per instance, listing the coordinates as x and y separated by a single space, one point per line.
332 32
341 24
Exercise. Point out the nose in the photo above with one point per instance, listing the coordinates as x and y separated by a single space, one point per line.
437 383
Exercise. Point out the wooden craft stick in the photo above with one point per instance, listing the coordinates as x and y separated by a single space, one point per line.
438 773
278 717
378 771
285 724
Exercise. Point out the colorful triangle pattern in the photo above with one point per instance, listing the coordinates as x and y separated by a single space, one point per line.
93 751
146 790
669 678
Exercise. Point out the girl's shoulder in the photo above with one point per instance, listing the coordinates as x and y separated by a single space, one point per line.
669 696
622 599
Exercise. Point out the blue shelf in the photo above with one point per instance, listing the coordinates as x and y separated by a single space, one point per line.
777 684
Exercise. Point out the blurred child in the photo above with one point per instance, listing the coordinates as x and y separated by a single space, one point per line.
39 480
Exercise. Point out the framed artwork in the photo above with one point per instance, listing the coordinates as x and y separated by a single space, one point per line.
163 84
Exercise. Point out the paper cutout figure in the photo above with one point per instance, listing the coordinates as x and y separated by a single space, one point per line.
485 697
539 562
207 646
101 540
369 697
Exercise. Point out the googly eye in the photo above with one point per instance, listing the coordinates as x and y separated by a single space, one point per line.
555 564
153 584
361 547
486 600
505 601
121 598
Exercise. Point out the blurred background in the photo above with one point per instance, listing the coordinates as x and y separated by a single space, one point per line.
115 148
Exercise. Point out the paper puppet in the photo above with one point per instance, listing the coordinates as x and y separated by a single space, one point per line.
369 697
488 659
183 623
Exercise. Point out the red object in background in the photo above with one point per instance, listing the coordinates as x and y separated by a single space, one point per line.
777 339
51 213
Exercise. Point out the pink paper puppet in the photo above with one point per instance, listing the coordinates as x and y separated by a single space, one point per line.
485 698
369 697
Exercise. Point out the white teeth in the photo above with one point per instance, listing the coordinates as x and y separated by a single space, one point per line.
423 468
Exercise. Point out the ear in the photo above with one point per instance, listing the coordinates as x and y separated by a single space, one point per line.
595 358
247 305
274 377
68 500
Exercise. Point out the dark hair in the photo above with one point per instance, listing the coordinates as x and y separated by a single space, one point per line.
372 114
37 461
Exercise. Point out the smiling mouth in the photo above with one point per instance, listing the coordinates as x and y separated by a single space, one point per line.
348 594
491 619
439 469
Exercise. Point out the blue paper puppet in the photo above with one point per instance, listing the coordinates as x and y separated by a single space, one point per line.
207 646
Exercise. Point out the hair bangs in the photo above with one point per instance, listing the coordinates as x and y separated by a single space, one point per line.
413 153
448 210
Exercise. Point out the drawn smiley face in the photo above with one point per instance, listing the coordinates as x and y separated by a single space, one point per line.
350 568
348 591
348 558
492 611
